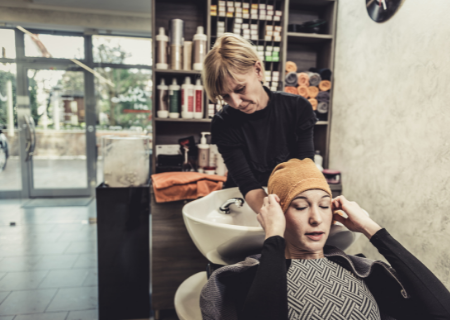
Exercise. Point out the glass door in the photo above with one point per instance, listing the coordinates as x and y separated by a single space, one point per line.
55 133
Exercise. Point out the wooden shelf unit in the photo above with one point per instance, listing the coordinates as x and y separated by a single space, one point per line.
309 50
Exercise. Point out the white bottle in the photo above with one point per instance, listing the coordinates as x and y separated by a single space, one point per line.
198 98
187 99
161 43
221 168
203 152
163 100
318 160
199 48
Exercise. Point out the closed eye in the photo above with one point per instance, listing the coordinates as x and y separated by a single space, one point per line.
300 209
324 207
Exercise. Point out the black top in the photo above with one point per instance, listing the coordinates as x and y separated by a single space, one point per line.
253 144
266 294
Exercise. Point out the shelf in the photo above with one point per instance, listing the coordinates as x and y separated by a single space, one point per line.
181 120
308 37
194 72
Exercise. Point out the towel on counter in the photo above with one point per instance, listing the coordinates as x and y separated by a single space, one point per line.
303 79
291 79
292 90
313 92
174 186
314 79
325 85
303 91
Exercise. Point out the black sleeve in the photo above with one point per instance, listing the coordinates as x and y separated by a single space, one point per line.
304 132
429 297
239 169
267 298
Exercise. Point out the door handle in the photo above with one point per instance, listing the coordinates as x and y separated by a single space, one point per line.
31 137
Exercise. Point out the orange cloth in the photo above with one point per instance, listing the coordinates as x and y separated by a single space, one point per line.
303 79
292 90
174 186
313 103
325 85
291 178
291 66
303 91
313 92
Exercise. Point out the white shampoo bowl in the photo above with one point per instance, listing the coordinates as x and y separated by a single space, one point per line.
229 238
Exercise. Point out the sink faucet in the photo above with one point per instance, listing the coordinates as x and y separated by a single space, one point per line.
225 208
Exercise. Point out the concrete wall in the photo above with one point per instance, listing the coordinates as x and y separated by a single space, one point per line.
390 127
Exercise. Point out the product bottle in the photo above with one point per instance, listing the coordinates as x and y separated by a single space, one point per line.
318 160
174 99
187 99
199 48
161 57
163 100
203 152
198 104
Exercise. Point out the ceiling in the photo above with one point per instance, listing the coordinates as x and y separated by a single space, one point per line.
141 6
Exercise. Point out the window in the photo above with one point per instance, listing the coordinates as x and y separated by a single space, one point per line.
133 51
7 44
52 46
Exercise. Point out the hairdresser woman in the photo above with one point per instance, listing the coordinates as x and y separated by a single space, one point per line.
257 129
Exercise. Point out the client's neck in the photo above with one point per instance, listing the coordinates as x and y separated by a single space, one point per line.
292 252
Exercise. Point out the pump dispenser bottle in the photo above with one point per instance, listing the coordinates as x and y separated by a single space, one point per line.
199 48
163 100
161 56
198 104
174 99
203 152
187 99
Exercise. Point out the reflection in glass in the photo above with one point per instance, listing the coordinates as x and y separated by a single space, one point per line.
125 109
58 109
123 50
52 46
7 44
10 171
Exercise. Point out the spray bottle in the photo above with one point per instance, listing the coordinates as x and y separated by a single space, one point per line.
161 56
203 152
198 104
187 99
174 99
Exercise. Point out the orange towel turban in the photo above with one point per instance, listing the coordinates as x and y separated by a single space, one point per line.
303 79
292 90
325 85
313 103
291 66
313 92
291 178
303 91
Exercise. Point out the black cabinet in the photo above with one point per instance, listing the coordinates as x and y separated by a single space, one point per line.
123 217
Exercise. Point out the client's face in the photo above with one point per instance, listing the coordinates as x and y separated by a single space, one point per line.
308 220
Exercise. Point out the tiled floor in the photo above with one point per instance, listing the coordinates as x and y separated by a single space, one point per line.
48 263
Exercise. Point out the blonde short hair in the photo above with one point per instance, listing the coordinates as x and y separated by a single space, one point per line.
231 56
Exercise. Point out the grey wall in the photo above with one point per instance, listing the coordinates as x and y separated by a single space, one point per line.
390 132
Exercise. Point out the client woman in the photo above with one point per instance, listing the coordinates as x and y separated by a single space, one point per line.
298 277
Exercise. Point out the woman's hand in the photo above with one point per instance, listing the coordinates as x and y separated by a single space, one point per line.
271 217
358 220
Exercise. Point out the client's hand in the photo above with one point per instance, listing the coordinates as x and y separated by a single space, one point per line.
271 217
358 220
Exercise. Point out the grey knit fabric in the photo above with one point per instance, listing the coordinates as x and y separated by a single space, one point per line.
322 289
